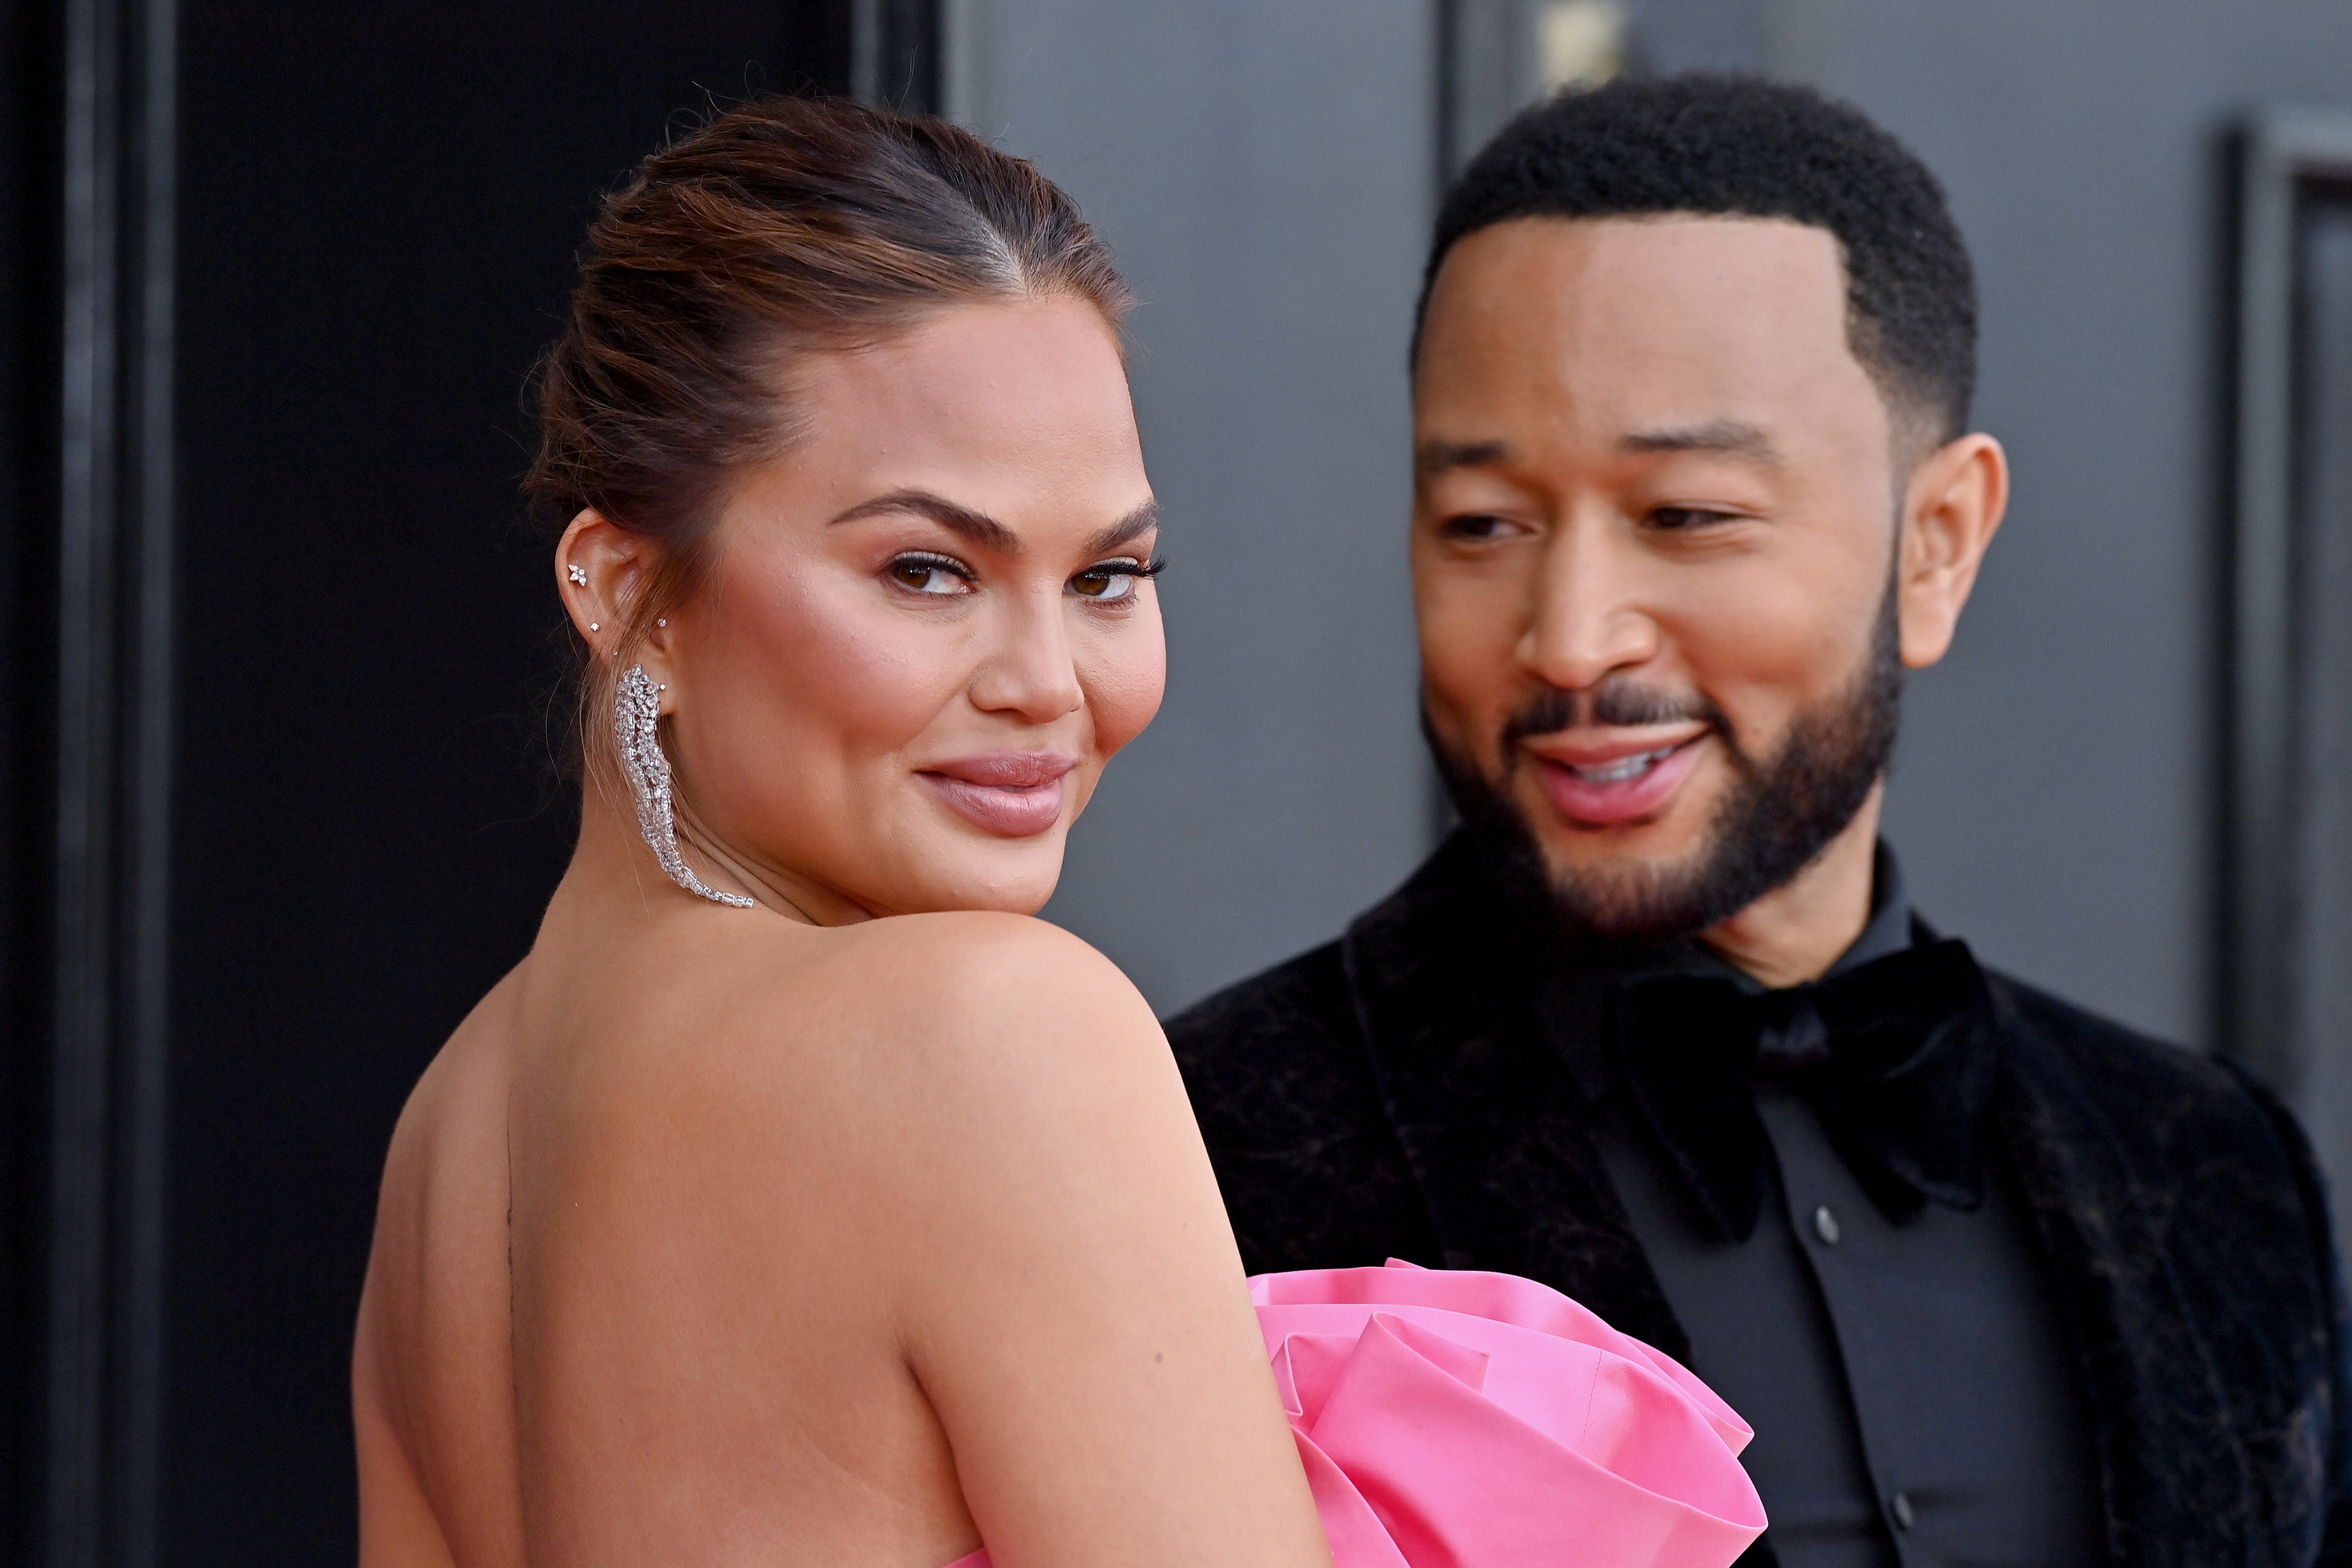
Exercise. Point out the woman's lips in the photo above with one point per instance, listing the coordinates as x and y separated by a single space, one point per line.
1014 794
1626 789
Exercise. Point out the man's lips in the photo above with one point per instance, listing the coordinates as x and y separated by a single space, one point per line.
1014 794
1600 783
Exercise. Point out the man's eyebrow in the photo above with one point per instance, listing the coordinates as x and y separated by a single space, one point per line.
1134 525
1433 457
1723 438
1440 457
977 527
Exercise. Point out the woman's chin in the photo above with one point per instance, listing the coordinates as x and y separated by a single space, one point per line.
1014 877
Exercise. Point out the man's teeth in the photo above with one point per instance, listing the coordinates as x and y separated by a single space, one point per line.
1623 768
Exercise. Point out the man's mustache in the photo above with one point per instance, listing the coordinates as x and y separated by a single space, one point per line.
1617 700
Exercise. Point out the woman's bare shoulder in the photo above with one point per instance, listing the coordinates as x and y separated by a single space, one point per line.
845 1046
958 981
907 1086
459 1092
946 1026
443 1192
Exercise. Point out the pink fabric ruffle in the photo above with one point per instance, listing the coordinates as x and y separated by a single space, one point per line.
1452 1419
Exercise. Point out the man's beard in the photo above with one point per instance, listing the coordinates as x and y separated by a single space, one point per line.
1777 814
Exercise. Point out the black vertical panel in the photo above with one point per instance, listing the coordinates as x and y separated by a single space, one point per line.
908 67
108 777
32 113
380 206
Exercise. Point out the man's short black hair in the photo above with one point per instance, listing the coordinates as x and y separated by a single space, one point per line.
1738 145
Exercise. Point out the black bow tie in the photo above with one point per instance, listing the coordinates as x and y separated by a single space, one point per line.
1896 1055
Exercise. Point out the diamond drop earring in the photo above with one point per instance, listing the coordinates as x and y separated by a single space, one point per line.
636 720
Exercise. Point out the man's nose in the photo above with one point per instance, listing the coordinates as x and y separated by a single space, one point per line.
1589 618
1029 672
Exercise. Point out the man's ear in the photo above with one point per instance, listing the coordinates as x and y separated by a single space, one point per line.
599 569
1951 507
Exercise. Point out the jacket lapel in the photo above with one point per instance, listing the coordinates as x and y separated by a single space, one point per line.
2176 1481
1491 1121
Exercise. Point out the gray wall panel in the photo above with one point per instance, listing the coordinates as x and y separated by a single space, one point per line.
1264 173
2055 792
2321 1085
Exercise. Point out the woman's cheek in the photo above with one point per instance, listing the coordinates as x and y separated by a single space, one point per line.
863 667
1126 677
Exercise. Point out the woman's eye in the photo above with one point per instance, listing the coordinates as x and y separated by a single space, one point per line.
931 574
1103 584
1111 579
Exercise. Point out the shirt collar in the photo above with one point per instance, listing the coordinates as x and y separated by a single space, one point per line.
1573 1000
1887 931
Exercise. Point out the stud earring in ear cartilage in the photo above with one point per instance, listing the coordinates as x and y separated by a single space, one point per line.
576 575
663 622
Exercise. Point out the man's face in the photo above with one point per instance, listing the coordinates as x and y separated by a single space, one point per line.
1653 547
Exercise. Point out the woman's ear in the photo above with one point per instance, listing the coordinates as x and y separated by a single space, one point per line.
599 569
1951 508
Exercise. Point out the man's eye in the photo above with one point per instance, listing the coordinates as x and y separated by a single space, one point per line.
1680 518
922 572
1473 525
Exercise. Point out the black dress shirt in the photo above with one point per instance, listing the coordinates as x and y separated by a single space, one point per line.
1913 1398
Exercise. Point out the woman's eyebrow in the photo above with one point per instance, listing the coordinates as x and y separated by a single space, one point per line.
977 527
1139 521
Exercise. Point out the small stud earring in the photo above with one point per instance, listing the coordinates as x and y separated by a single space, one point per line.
593 627
663 622
576 575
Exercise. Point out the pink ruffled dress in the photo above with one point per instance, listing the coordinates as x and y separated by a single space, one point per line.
1452 1419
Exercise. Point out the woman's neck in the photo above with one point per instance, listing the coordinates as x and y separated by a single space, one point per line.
612 862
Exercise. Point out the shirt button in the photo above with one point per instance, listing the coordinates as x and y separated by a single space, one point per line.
1825 1226
1899 1505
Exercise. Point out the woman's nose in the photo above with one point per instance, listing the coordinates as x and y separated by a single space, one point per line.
1030 672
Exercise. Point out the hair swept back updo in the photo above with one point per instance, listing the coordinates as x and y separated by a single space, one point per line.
786 226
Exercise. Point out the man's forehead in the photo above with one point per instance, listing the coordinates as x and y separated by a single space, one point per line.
1730 437
1657 284
1738 246
1670 332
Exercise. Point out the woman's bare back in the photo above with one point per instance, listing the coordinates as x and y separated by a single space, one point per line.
432 1371
709 1236
542 1205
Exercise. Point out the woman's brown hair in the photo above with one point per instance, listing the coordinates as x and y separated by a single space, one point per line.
784 227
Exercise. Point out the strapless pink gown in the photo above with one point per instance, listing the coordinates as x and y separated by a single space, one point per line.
1451 1419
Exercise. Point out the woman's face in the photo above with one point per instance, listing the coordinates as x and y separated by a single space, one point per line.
926 630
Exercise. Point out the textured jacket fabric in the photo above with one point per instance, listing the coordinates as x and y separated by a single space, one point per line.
1391 1094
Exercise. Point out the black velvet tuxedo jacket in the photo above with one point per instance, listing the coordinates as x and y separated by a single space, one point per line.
1391 1094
